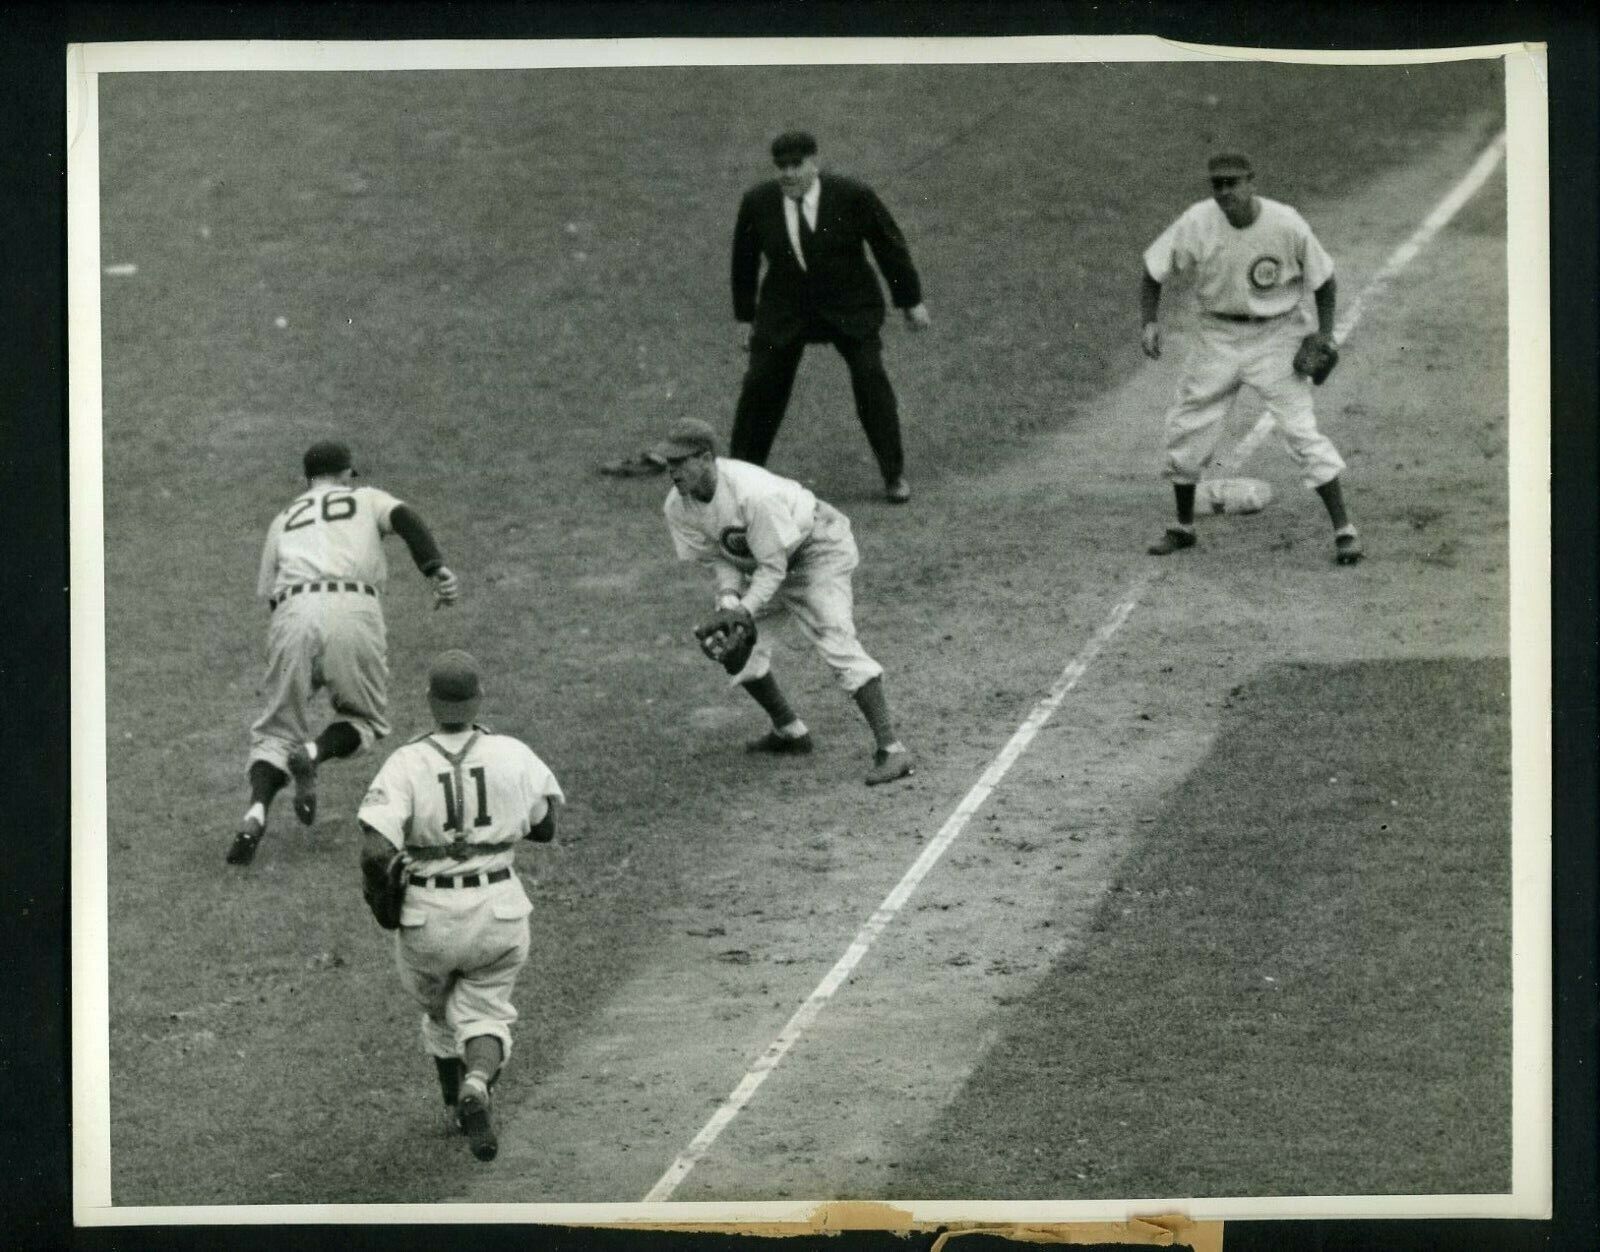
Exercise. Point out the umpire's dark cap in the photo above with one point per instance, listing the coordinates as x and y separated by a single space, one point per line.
1230 165
453 687
689 436
793 146
328 456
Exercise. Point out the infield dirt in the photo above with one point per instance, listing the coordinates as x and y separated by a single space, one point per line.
482 351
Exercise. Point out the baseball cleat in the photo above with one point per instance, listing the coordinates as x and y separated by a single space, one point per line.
1347 549
1173 540
243 850
304 772
781 745
475 1122
889 766
897 491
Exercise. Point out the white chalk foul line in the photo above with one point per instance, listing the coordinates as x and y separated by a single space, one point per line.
1401 257
895 900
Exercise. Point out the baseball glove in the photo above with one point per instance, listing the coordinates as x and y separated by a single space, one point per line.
383 886
728 638
1316 357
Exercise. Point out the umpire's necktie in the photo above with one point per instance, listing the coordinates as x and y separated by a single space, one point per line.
806 233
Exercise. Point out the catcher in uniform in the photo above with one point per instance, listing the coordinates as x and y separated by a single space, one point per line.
1253 260
773 547
322 576
440 827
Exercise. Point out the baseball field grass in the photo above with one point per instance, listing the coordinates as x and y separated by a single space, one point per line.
1343 922
488 283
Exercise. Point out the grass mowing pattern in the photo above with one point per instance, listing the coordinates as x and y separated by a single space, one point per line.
1304 945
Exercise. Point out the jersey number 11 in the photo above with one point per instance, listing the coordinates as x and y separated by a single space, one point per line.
452 803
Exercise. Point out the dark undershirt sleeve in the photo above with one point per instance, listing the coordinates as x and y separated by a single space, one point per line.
406 522
544 830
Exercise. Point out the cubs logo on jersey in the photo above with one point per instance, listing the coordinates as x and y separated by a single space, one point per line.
1265 272
735 541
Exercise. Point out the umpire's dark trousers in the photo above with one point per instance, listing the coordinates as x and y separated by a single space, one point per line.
770 377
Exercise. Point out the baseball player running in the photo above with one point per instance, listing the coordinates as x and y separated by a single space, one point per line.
772 547
322 575
442 821
1253 260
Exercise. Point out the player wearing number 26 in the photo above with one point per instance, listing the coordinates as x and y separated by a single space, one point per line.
322 576
455 803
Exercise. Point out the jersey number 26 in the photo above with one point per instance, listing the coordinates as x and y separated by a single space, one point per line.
336 506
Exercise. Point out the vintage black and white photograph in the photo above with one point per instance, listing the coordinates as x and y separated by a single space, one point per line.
766 623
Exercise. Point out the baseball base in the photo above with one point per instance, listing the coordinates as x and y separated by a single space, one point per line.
1233 495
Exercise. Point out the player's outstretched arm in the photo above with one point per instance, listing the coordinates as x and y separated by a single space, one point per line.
1149 314
446 587
1327 298
408 524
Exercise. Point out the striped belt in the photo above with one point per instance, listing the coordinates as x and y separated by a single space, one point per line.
1248 317
322 586
461 880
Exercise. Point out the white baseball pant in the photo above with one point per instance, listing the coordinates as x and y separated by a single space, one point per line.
322 639
1227 356
459 950
818 595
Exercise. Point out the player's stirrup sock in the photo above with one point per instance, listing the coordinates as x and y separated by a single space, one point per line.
336 740
1183 495
482 1056
266 780
1333 497
451 1071
869 697
765 692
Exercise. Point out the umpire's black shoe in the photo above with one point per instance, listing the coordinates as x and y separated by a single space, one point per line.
897 491
304 772
1175 539
781 745
476 1123
245 842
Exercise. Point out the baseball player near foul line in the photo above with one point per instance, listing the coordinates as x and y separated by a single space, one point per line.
454 804
1253 260
773 547
322 575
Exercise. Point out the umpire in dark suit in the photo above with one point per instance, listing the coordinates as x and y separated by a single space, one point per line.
818 288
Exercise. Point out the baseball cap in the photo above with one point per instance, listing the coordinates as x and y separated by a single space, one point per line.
327 456
453 686
1229 165
689 436
793 145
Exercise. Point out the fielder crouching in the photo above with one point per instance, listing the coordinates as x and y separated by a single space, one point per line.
773 547
440 826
